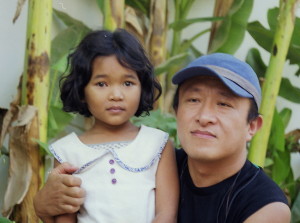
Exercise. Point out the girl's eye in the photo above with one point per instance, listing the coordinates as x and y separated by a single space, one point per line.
128 83
193 100
101 84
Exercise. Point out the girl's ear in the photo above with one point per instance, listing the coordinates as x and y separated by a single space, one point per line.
254 126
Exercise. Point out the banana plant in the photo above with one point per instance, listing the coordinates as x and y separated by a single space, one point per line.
281 144
30 111
271 85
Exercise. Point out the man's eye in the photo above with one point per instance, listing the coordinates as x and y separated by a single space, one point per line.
224 104
128 83
101 84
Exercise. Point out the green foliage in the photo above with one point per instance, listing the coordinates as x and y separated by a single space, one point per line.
278 159
44 147
254 59
101 5
296 210
231 32
63 43
264 36
5 220
287 90
162 121
285 115
58 119
181 24
141 5
169 63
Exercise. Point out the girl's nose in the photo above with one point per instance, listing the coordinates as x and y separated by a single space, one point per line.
116 95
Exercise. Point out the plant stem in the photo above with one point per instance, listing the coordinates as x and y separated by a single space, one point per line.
113 14
270 89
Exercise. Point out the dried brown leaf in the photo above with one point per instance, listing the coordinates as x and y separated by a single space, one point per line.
8 116
20 169
19 9
6 121
133 22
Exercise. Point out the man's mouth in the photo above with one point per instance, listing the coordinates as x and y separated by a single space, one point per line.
203 134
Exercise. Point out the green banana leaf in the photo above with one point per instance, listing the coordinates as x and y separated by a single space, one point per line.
5 220
296 210
264 36
181 24
70 21
163 121
186 44
277 138
285 115
170 63
253 58
63 43
141 5
280 154
100 3
231 32
58 120
287 90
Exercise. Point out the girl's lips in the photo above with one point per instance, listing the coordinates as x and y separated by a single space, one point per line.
203 134
115 109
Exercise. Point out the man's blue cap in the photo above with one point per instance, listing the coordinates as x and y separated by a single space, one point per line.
237 75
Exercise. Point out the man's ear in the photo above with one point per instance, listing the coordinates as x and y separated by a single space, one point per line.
254 126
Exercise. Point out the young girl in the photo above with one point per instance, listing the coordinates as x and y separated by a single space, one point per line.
129 173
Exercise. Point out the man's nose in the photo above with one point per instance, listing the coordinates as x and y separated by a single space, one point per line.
206 114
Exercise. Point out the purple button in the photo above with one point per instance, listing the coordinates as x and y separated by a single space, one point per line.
114 181
111 161
112 171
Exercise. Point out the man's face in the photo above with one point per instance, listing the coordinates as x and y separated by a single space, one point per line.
212 121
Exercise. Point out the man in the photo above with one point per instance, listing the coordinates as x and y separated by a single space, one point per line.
216 105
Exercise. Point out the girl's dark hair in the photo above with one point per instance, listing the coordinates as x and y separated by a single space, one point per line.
129 54
252 113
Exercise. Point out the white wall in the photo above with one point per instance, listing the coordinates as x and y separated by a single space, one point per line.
12 41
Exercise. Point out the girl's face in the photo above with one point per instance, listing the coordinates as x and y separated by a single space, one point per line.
113 92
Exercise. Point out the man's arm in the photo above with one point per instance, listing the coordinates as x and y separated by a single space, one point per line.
276 212
60 195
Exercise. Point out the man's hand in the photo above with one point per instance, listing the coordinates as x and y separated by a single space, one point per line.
60 195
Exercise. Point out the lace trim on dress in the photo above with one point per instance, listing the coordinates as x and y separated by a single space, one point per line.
110 147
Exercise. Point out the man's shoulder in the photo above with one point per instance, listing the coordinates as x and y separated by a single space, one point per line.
254 191
258 184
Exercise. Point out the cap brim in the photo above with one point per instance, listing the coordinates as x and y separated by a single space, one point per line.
190 72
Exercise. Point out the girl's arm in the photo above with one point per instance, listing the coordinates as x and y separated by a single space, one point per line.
167 187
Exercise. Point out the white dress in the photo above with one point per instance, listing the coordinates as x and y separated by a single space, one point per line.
119 180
